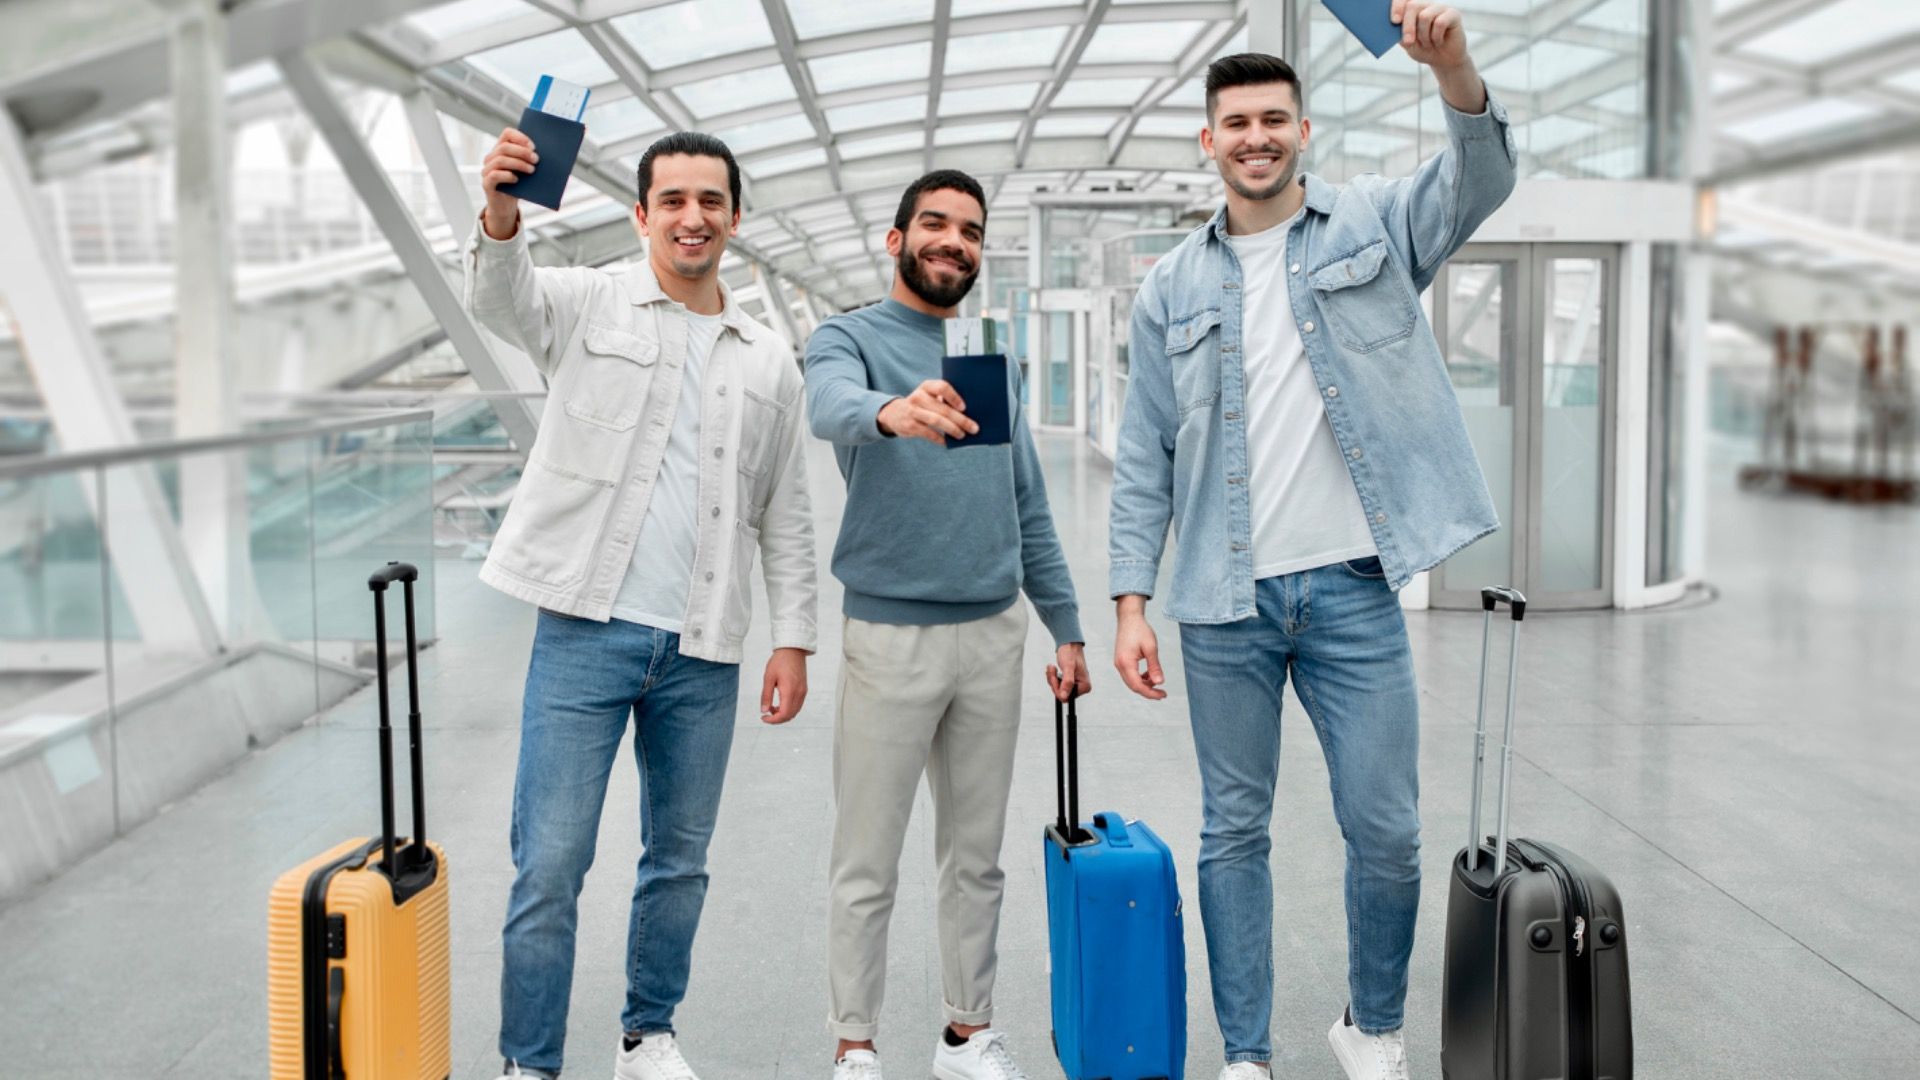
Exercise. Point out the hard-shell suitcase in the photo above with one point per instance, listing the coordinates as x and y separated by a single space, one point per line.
1117 953
1536 953
358 985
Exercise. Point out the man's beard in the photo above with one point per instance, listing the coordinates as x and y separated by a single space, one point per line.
1262 194
923 285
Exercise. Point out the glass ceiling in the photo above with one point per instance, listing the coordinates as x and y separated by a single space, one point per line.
831 105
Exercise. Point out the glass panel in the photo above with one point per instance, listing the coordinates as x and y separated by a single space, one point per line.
1004 49
1068 127
1835 29
1101 92
871 67
450 19
619 120
955 135
562 54
819 18
877 113
740 90
1573 437
988 99
1385 115
1806 119
1124 43
1059 360
54 691
373 503
1482 351
1172 127
696 30
853 150
786 163
762 134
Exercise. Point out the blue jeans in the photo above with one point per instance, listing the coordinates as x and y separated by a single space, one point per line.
1338 630
584 679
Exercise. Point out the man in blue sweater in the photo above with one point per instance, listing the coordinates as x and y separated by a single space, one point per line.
935 547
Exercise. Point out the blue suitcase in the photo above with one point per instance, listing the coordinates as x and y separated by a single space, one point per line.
1118 957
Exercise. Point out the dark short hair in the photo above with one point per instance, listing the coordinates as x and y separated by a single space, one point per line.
1248 69
939 180
697 144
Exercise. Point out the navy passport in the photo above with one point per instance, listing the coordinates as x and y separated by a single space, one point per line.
557 141
1369 20
981 382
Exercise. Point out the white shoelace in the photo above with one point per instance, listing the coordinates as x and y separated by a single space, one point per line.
665 1055
1392 1052
1245 1070
1000 1059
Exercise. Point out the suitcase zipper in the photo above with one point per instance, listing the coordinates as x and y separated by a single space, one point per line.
315 1041
1573 889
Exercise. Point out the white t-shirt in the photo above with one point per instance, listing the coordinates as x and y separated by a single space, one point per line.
1306 513
654 592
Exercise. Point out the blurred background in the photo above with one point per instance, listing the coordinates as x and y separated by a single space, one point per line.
236 375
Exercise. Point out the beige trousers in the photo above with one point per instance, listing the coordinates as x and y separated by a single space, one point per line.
939 700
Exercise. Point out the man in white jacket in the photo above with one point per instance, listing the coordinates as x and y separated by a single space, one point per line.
669 450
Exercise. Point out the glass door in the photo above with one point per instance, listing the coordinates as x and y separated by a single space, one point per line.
1527 333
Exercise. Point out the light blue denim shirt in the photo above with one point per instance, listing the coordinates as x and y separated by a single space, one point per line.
1357 263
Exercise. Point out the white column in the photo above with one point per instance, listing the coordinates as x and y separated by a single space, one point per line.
213 492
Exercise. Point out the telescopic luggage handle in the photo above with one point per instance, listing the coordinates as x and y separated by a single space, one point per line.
417 850
1066 763
1492 598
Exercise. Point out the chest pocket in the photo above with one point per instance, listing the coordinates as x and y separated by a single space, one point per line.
1365 301
1193 352
609 386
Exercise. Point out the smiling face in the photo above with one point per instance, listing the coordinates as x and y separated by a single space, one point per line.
939 253
1255 137
688 216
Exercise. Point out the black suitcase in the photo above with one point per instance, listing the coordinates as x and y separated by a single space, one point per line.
1536 961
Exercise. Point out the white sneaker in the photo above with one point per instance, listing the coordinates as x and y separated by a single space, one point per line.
514 1073
1368 1057
1246 1070
983 1057
857 1065
655 1057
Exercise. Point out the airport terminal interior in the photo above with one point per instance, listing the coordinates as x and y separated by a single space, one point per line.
240 372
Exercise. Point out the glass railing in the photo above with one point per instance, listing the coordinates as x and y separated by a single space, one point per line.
165 608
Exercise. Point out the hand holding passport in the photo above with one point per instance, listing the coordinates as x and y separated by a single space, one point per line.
532 162
979 375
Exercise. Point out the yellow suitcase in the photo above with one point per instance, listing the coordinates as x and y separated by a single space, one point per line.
358 981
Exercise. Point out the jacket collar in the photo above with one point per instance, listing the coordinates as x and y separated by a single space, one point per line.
643 287
1320 199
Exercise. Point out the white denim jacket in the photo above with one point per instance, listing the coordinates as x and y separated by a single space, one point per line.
612 347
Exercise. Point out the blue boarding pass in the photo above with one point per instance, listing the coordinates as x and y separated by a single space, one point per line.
558 97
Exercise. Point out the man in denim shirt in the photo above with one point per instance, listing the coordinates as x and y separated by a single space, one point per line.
1291 415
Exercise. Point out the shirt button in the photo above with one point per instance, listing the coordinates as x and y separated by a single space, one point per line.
709 575
1294 269
1333 391
719 451
1379 519
696 631
1307 327
716 511
722 391
1354 453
